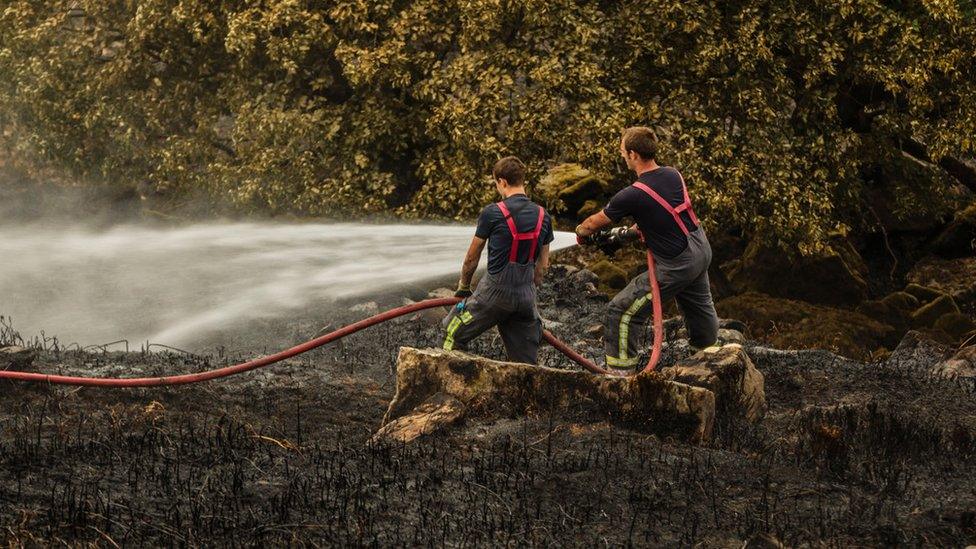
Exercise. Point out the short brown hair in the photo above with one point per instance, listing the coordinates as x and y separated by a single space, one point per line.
642 141
510 169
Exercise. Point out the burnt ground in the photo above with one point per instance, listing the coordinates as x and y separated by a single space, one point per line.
849 454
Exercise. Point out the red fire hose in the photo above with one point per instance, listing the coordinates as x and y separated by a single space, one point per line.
333 336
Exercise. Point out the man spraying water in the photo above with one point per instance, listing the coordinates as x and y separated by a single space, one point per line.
658 202
517 232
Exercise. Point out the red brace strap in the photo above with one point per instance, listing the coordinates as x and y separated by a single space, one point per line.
518 237
675 212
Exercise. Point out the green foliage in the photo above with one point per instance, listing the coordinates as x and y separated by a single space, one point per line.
777 112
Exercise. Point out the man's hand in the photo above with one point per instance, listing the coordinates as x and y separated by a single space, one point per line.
582 240
592 225
463 291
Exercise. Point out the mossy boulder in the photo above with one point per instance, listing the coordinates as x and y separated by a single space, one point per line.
610 274
589 208
894 309
567 188
885 313
792 324
959 238
956 277
902 301
834 277
957 325
923 294
927 314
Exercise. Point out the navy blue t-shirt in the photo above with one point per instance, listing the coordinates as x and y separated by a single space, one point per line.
493 227
663 236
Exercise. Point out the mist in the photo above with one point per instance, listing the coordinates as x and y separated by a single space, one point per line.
178 286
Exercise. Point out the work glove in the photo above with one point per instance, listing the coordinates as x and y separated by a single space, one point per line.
462 291
603 241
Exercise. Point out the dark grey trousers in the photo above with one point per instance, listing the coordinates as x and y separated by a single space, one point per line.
683 278
505 300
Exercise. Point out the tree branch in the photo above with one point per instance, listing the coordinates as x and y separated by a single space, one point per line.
961 170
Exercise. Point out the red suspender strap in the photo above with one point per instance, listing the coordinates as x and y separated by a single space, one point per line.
517 236
536 233
513 253
675 212
687 203
664 204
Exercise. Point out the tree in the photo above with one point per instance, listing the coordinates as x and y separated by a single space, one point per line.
783 116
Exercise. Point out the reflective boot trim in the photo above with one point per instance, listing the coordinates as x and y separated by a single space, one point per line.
622 363
451 328
624 331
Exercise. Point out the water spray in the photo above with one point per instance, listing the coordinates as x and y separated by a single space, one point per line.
337 335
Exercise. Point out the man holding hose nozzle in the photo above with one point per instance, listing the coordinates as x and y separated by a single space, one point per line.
517 232
658 202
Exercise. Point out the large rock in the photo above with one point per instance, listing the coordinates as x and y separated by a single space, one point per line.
487 388
15 358
569 187
923 293
790 324
956 325
959 238
835 277
610 274
928 314
729 373
901 301
962 365
918 352
956 277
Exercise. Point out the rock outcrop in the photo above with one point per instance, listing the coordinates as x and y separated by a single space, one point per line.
955 277
433 384
791 324
727 371
959 238
961 365
836 277
573 190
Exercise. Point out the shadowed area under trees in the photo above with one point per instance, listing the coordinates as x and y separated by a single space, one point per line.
782 115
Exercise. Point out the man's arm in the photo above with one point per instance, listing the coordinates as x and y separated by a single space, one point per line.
470 264
541 265
593 224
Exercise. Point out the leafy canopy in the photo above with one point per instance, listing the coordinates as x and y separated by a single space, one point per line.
779 113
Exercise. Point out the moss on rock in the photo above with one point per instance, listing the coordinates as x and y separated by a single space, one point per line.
959 238
957 325
589 208
569 187
956 277
786 323
926 315
923 294
836 277
902 301
610 275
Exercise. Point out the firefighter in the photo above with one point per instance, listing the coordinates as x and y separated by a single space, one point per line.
659 204
517 232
